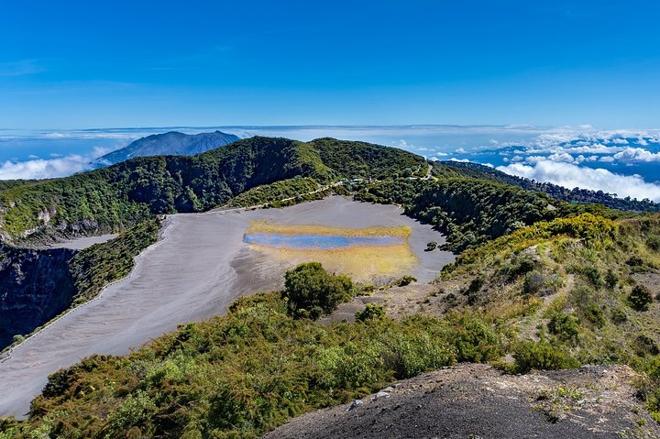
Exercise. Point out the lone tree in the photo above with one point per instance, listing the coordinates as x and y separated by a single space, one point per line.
311 291
431 246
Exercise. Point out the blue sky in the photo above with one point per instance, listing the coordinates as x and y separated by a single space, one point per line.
74 64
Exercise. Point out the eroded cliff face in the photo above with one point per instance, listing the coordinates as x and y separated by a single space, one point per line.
35 286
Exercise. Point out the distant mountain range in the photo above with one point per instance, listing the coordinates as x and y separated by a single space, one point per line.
171 143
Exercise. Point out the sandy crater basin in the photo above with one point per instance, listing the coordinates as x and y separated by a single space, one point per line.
196 270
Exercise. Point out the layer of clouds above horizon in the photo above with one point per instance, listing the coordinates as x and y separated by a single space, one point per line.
622 162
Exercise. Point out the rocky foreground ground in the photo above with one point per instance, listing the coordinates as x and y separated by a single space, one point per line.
478 401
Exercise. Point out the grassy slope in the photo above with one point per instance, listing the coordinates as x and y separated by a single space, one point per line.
365 160
274 192
584 267
566 284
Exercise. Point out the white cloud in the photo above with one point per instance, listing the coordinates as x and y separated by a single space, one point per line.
570 175
586 140
533 158
561 157
42 168
592 149
48 168
637 155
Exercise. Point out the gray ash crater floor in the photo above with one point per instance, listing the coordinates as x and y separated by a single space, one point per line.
195 271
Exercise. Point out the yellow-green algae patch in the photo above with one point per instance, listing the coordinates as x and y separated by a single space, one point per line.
362 262
312 229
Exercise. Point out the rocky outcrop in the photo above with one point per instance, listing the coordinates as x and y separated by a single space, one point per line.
35 286
475 400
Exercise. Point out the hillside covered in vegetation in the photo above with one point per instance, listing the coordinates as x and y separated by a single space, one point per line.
540 283
555 191
551 296
124 194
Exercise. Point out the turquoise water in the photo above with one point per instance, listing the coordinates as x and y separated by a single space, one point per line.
325 242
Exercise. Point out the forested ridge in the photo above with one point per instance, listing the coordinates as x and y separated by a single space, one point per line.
126 193
117 197
559 192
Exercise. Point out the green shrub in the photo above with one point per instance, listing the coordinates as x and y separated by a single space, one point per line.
611 279
350 365
587 302
311 291
475 340
565 326
541 355
520 265
431 246
654 243
227 409
645 345
619 316
59 382
413 352
648 387
653 404
539 284
594 313
473 289
640 298
135 411
371 312
593 275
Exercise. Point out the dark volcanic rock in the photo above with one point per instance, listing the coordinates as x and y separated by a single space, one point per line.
480 402
35 286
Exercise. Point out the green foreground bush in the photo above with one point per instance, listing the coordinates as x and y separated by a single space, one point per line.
370 312
541 355
311 291
640 298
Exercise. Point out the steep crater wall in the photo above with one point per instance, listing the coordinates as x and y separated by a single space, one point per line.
35 286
